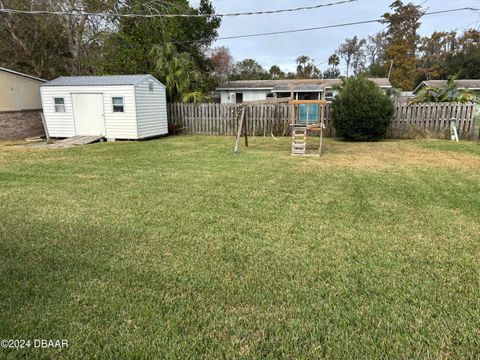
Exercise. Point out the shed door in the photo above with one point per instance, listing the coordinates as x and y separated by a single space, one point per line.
88 113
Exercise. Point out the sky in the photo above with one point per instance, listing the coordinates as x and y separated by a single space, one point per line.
283 49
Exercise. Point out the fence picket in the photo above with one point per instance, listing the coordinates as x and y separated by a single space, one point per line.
220 119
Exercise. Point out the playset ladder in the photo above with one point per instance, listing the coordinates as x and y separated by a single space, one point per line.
299 140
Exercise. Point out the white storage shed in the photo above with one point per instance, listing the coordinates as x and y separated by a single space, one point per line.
116 107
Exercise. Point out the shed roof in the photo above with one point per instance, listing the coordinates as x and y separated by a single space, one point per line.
281 85
22 74
108 80
463 84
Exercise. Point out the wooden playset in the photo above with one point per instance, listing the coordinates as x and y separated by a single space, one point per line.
307 117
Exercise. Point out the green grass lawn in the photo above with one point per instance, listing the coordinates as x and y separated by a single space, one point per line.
174 248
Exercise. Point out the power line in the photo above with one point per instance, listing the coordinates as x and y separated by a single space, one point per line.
298 30
322 27
476 23
423 14
319 27
468 25
107 14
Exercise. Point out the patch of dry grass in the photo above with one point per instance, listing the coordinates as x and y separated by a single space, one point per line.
176 248
393 154
379 155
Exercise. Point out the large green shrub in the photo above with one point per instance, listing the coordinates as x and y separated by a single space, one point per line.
361 111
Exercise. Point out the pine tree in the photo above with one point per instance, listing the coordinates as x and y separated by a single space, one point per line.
401 42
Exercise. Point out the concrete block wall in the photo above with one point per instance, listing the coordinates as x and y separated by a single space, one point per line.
18 125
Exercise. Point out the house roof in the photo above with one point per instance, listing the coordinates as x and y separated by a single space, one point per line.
251 84
108 80
22 74
298 87
472 84
281 85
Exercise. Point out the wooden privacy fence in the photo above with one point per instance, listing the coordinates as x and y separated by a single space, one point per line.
430 119
221 119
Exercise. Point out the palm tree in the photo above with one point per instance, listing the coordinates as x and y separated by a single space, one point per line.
179 74
333 72
334 60
449 93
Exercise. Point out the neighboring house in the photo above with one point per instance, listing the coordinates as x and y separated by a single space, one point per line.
116 107
20 105
234 92
19 91
472 85
403 97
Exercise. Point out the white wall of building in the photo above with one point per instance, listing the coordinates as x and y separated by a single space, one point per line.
151 105
229 97
225 97
118 125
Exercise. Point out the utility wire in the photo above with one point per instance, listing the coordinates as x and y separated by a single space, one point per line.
298 30
320 27
476 23
107 14
323 27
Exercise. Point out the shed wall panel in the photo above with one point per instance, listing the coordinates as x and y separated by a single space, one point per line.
151 109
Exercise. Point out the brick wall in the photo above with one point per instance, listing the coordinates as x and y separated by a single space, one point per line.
16 125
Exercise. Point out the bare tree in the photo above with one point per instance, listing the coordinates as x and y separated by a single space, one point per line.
31 44
82 30
50 45
352 51
359 59
222 62
374 48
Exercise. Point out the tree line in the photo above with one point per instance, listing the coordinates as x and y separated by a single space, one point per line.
397 52
172 49
178 50
408 58
225 68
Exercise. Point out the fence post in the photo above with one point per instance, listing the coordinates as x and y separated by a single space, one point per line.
476 124
219 118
